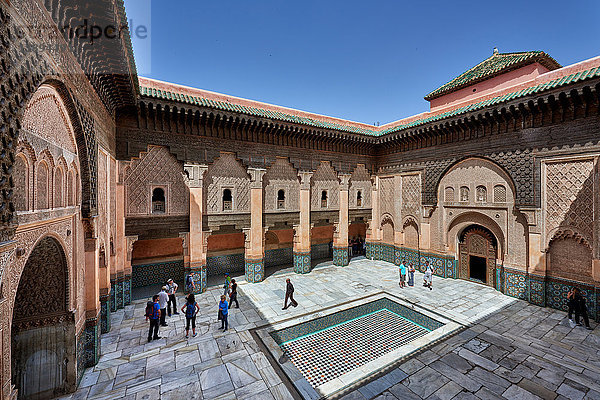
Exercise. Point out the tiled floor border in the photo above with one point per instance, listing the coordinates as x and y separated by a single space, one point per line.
300 388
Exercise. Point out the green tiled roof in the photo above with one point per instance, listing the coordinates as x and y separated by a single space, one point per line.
375 131
555 83
255 111
494 65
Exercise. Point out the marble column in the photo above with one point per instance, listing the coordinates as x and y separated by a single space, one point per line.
120 241
127 269
92 293
196 267
373 235
341 254
302 259
254 257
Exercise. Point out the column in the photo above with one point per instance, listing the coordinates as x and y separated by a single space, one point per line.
127 269
120 241
196 249
302 260
341 256
373 237
255 249
92 293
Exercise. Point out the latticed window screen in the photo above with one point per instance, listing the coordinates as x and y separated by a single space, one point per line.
449 194
481 194
324 199
359 199
281 199
464 193
227 200
499 194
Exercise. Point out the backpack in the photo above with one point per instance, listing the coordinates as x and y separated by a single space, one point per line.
189 281
190 310
149 309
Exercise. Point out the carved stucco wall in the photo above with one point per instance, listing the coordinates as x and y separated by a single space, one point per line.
569 198
281 175
568 218
325 179
227 173
451 217
387 196
360 181
411 196
155 168
46 153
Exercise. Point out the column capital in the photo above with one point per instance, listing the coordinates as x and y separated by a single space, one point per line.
344 181
194 174
305 179
130 241
256 177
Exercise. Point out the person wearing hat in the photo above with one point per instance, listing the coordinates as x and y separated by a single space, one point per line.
163 299
171 289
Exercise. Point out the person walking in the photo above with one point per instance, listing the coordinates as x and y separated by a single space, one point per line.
289 295
233 295
580 309
171 289
227 284
163 299
571 306
153 314
428 276
223 312
411 275
189 284
190 308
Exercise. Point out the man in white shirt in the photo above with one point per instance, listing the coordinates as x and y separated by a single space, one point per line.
163 299
171 289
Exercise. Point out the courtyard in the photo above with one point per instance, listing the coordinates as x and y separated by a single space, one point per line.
509 348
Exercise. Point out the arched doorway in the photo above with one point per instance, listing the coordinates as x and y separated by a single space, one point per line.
43 329
477 260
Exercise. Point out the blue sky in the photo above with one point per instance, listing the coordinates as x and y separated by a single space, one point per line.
364 61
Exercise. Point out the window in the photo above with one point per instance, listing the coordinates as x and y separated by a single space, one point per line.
464 193
324 199
158 201
499 194
227 200
359 199
281 199
449 194
481 194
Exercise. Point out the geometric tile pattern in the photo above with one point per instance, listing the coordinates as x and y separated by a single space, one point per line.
340 256
537 290
255 270
105 314
302 262
219 265
157 273
328 354
321 251
516 283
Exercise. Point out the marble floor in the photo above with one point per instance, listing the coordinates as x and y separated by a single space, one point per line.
511 349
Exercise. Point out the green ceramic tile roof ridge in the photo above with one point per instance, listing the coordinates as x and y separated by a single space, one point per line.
376 131
494 65
557 82
227 106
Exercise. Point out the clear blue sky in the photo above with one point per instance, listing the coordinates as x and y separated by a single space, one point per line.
366 61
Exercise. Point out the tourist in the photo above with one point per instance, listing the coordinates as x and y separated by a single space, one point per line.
223 311
402 269
580 309
571 306
189 284
171 289
227 284
163 299
411 275
428 276
289 295
153 315
233 295
190 308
